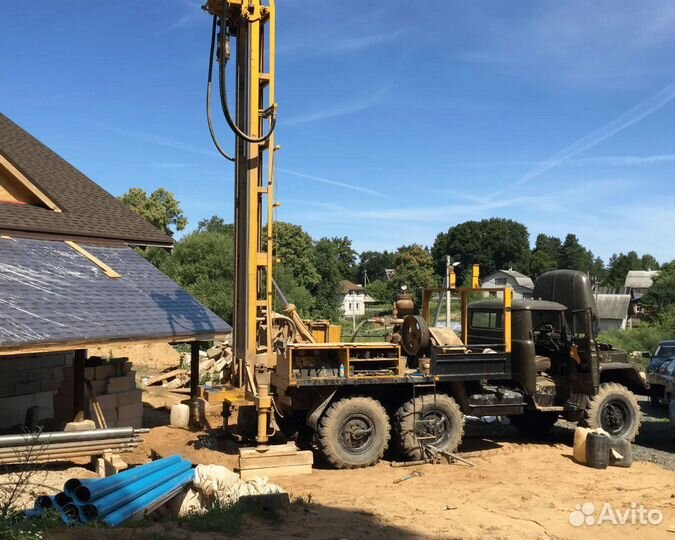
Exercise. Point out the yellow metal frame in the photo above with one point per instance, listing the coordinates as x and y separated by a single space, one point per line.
507 297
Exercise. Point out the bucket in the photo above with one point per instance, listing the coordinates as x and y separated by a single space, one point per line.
579 449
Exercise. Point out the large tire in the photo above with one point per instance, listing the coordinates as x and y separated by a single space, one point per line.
353 432
428 416
534 423
615 409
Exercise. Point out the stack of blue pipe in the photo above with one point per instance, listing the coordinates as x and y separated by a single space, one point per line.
118 498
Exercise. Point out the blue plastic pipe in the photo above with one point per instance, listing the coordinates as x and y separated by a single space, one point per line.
60 500
150 500
70 513
103 506
85 491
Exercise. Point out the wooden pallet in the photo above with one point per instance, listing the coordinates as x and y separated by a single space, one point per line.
277 460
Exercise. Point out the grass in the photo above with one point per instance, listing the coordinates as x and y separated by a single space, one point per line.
219 518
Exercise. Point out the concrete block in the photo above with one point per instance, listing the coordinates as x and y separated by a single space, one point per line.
12 363
14 377
7 390
49 385
116 385
134 422
129 398
106 370
84 425
27 388
130 411
108 401
98 387
33 375
90 373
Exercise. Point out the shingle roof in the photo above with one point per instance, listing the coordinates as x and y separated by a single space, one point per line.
521 279
88 210
50 294
347 286
640 279
612 306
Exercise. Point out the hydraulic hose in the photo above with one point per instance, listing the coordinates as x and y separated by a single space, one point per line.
208 93
223 88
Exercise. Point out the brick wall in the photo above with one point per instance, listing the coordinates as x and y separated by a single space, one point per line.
29 381
45 381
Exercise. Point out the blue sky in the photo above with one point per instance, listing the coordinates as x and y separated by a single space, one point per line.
396 121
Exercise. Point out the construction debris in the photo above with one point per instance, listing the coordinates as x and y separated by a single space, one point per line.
214 366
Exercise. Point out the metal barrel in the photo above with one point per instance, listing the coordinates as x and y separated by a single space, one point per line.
85 491
103 506
150 500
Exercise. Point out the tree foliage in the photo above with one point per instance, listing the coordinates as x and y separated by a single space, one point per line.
203 263
374 263
620 264
414 268
161 208
660 298
493 243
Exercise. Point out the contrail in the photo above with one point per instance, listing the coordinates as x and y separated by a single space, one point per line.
339 184
627 119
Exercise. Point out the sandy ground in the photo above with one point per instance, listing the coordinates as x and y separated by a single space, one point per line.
517 489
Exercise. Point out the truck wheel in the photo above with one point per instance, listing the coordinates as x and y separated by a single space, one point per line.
427 421
353 432
535 423
615 409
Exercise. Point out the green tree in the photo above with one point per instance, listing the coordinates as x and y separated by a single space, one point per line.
215 224
295 248
381 290
545 255
493 243
374 263
327 292
161 208
203 263
660 298
414 268
574 256
345 256
619 266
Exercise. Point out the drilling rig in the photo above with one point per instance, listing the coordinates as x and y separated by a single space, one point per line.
420 382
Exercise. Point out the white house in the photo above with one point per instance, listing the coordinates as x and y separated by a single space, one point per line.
354 299
521 284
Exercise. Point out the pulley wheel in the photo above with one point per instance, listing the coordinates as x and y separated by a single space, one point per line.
415 336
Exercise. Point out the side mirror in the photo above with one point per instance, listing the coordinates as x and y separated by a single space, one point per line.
646 355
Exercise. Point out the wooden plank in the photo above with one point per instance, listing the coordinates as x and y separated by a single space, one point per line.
274 450
164 376
98 262
83 344
263 461
27 184
290 470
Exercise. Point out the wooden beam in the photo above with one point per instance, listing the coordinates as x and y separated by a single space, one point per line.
194 369
27 184
79 402
98 262
79 344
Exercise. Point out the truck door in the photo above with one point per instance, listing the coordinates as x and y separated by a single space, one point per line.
586 377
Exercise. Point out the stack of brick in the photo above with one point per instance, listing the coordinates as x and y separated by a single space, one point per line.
30 381
114 384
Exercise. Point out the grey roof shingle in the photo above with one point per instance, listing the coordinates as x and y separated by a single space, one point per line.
88 210
640 279
49 293
612 306
521 279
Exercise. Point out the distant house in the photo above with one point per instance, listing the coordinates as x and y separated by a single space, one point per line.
637 284
638 281
354 299
521 284
613 311
70 281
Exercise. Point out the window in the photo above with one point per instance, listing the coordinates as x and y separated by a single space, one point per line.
486 319
664 351
500 281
